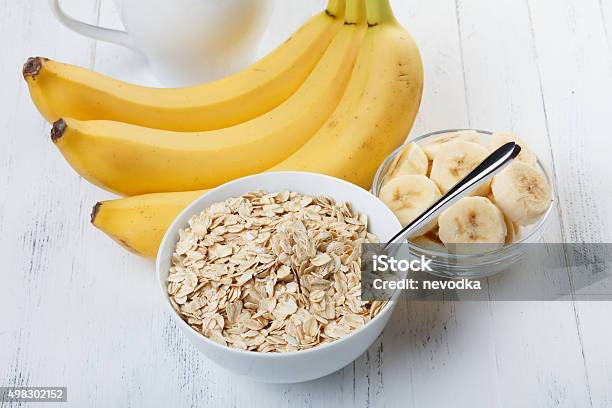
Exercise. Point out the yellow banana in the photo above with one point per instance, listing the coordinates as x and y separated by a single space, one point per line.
377 111
130 160
139 223
373 118
62 90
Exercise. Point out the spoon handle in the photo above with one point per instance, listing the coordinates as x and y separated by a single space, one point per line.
489 167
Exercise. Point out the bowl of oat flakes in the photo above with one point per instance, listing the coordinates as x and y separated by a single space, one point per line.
262 274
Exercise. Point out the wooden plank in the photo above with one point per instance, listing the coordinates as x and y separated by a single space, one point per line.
39 213
505 92
573 54
605 11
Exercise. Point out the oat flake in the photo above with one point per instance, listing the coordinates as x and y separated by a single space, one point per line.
272 272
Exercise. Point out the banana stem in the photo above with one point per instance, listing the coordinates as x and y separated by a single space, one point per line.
355 12
335 8
380 12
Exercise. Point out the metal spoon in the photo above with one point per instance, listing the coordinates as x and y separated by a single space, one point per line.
490 166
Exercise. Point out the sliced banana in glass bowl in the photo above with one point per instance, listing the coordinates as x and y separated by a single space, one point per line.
477 236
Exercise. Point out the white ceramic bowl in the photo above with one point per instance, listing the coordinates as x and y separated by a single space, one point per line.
300 365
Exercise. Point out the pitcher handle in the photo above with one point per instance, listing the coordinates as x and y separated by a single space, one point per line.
99 33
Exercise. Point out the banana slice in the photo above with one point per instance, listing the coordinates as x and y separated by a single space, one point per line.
454 161
434 234
429 168
472 220
522 193
408 196
410 160
432 147
498 139
428 243
513 229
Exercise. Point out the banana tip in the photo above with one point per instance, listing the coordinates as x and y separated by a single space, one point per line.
95 211
58 129
33 66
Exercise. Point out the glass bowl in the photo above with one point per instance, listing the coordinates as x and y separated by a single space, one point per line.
472 266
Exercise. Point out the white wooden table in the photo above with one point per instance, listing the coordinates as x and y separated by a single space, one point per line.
77 310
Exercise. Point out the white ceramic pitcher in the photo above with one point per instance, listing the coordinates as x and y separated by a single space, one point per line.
185 41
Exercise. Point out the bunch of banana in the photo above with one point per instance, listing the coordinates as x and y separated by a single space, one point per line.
356 104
